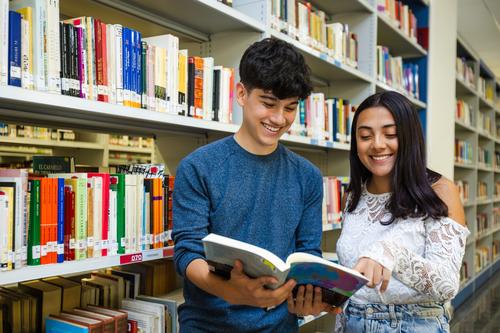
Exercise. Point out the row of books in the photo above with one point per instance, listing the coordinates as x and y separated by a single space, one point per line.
482 189
464 152
486 89
322 118
307 24
401 15
483 157
463 112
401 76
483 256
497 188
482 223
120 158
105 301
131 141
74 216
464 272
485 122
90 59
36 132
463 190
333 189
465 72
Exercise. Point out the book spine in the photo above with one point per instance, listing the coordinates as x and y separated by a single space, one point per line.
4 42
60 220
53 51
144 75
119 63
34 224
14 49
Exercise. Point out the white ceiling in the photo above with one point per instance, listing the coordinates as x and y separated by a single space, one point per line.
479 24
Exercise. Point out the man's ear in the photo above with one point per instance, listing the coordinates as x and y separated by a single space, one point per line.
241 94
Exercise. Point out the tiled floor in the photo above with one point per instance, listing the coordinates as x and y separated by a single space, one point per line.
481 313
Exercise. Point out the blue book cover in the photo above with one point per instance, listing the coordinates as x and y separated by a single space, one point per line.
60 220
133 64
53 325
335 117
138 57
14 74
126 63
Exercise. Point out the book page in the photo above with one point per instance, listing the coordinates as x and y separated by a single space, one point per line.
222 252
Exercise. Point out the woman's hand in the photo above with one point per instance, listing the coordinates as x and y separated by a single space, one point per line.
374 272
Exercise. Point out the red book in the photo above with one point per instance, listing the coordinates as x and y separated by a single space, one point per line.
100 62
69 222
105 209
131 326
104 40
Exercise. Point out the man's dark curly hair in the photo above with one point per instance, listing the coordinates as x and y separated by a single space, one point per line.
274 65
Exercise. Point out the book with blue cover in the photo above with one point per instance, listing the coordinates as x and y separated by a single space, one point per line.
338 283
14 74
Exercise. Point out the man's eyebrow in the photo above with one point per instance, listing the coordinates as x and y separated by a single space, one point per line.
269 97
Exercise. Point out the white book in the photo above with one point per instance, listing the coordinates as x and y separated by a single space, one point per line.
19 218
119 64
26 55
139 204
53 47
4 41
225 91
97 215
130 213
208 82
4 229
154 309
38 36
110 49
113 224
150 74
144 321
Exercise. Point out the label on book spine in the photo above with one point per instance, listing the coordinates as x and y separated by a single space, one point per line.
90 241
35 252
43 250
72 244
60 248
105 244
15 72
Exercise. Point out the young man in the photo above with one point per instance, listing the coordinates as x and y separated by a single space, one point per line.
251 188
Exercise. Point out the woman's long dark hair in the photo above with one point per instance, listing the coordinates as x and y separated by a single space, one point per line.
412 194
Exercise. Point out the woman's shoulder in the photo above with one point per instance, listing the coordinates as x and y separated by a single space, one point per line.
447 191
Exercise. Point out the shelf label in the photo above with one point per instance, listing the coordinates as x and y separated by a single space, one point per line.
130 258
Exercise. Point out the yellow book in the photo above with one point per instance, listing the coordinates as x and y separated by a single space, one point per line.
27 35
183 61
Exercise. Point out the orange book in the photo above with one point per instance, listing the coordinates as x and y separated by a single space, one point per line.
198 87
53 221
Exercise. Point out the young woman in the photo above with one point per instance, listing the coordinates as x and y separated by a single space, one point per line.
404 225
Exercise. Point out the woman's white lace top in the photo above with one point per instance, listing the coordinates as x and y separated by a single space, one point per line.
424 255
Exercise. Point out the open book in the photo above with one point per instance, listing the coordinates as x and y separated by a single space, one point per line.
337 282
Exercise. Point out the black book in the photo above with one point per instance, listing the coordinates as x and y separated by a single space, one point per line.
190 87
64 56
216 93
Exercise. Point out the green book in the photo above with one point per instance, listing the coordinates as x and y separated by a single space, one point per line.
117 184
34 223
53 164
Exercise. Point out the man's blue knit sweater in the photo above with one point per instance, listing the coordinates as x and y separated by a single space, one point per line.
272 201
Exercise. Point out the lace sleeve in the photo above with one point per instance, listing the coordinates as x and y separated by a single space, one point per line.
437 273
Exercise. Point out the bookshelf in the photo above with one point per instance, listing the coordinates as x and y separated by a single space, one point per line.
211 28
476 123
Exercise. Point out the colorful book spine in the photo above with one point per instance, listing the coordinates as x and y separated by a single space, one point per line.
14 75
60 219
34 223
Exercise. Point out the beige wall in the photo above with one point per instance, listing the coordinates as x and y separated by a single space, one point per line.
441 86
